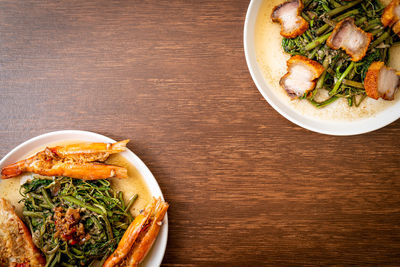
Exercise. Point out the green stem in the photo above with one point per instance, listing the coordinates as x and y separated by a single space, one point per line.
121 199
82 204
322 29
55 260
45 206
360 21
53 250
352 73
339 81
340 9
321 79
353 83
350 101
50 259
103 259
347 14
379 40
361 100
374 21
324 6
323 103
376 32
320 40
350 13
108 227
371 26
385 54
104 210
331 72
130 203
33 214
334 3
305 17
46 198
33 203
312 54
37 196
308 33
77 251
97 223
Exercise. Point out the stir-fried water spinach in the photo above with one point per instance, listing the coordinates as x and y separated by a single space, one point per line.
342 77
75 222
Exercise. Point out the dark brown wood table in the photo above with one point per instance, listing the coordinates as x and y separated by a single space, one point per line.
246 186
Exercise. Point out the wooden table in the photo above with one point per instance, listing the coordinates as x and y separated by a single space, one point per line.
246 186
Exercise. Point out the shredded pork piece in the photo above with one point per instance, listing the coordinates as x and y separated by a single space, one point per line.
381 81
288 15
16 245
301 76
349 37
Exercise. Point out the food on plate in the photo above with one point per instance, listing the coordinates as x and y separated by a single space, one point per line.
16 246
74 220
391 16
381 81
140 236
89 152
288 15
350 38
345 37
77 221
83 161
301 75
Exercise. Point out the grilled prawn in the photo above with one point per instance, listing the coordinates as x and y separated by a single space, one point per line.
81 161
139 237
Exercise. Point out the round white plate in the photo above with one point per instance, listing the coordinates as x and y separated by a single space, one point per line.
360 126
155 256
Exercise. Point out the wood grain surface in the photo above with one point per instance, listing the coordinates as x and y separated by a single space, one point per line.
246 186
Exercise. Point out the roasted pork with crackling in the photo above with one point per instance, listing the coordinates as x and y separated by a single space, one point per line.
391 16
349 37
288 15
381 81
301 76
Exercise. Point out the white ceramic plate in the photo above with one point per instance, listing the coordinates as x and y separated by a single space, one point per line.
155 256
360 126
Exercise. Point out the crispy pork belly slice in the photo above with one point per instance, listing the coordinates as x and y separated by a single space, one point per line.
301 76
16 245
348 36
381 81
391 16
288 15
396 28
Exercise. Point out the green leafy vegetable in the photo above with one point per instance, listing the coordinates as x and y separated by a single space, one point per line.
74 222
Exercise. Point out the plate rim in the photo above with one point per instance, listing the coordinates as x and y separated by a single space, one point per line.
149 179
337 128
